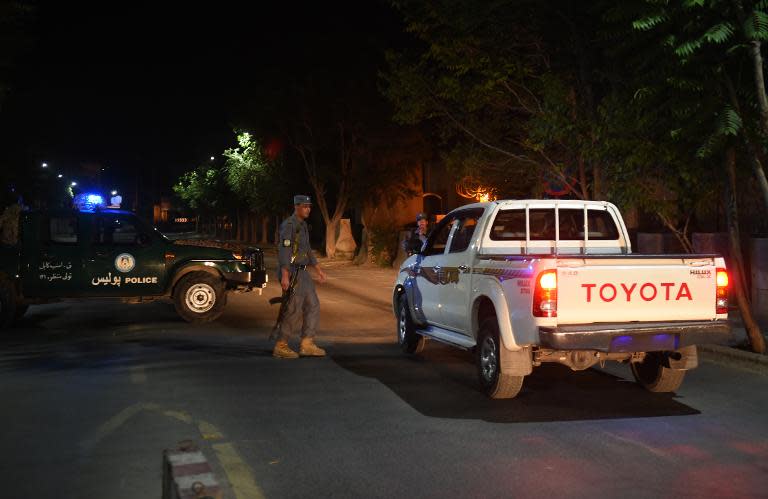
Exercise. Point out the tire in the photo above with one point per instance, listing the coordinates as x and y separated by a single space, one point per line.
494 383
8 304
653 374
409 340
199 297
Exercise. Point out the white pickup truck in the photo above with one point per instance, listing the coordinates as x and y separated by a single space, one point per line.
522 282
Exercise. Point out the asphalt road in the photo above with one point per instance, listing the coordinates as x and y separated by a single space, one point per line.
93 392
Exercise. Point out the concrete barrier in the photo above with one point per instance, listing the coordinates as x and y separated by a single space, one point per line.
187 474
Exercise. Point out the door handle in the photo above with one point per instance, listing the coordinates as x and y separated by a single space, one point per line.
463 268
437 268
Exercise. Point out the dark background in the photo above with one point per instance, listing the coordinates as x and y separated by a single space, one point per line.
147 91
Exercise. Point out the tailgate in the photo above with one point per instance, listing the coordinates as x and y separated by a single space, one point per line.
635 289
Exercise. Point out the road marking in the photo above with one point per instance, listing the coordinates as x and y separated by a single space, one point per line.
180 415
240 477
239 474
111 425
208 431
138 375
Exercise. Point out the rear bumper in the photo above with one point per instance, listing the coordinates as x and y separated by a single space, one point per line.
644 337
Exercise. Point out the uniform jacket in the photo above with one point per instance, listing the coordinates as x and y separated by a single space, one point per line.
294 241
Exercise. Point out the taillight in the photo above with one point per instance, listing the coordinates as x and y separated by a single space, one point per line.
721 296
545 295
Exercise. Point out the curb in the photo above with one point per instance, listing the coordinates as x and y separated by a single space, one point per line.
735 357
187 474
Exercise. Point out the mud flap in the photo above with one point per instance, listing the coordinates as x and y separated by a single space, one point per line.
516 363
688 358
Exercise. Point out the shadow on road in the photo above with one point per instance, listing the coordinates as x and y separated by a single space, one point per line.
442 383
70 352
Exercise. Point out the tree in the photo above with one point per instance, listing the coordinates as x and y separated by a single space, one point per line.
719 38
512 87
335 128
205 190
702 37
258 182
312 142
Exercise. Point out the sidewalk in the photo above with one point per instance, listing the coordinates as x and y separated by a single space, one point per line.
736 353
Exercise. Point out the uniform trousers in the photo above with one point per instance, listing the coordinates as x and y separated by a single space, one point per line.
303 312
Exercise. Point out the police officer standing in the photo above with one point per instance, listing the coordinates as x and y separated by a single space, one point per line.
295 255
418 236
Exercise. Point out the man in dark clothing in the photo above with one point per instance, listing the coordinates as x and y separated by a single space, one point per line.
418 236
295 255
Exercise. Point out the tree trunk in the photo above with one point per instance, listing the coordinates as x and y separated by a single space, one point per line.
264 230
759 172
681 235
752 150
754 334
762 99
276 233
362 250
330 236
583 184
254 229
597 187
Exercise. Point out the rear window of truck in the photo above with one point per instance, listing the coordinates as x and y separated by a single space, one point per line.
509 225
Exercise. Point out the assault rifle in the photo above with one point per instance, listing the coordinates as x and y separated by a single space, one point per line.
284 301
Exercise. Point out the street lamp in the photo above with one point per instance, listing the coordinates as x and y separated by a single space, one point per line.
114 193
45 165
212 158
59 175
73 184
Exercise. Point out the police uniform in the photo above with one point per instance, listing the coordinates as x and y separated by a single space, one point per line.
295 254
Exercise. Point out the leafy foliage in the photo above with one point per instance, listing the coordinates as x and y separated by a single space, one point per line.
257 182
203 189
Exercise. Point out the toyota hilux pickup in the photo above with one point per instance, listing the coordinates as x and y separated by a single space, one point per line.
523 282
111 253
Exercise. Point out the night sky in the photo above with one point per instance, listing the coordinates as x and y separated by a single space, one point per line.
150 90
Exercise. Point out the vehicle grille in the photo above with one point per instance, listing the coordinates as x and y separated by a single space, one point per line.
255 258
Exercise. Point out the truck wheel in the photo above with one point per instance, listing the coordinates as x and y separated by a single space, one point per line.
653 374
410 341
495 383
7 304
199 297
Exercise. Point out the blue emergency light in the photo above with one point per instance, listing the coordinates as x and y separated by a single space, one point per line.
88 201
